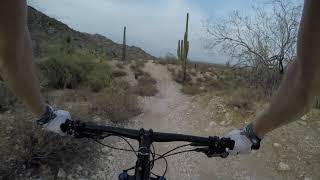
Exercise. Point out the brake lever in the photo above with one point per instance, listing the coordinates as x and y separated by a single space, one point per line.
77 129
210 154
217 147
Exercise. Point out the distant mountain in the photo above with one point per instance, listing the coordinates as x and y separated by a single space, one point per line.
46 32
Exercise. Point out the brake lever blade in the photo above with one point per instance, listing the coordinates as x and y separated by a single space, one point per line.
209 154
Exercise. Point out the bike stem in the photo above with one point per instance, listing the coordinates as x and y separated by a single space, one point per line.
142 170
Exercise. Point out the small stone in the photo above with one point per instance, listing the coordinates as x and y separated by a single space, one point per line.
70 177
283 167
105 149
276 145
79 168
96 118
110 158
307 138
206 129
302 123
225 123
202 88
85 173
303 118
212 123
307 178
61 173
228 116
236 109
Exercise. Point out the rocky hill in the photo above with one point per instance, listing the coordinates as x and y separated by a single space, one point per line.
46 32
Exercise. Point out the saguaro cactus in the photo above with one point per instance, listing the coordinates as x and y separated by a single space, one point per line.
183 49
124 48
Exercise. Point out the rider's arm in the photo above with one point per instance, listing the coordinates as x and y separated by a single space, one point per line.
302 80
299 86
16 65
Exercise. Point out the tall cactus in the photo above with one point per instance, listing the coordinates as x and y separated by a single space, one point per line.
183 49
124 48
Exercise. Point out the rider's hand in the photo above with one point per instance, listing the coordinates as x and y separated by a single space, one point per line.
245 140
52 120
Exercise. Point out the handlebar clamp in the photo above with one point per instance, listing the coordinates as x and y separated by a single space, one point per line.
217 147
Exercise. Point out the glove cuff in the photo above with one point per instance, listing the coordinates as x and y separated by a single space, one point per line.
47 116
249 133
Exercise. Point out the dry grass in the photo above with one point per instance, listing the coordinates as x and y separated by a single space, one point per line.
178 77
167 60
146 86
120 65
118 73
244 98
6 98
25 147
117 103
316 104
191 89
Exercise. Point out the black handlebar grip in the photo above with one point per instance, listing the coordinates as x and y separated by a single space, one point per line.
65 126
228 143
232 143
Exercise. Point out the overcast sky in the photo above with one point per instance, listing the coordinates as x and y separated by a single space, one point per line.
154 25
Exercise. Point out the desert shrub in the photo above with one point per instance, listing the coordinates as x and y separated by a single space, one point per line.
120 65
25 147
191 89
217 84
178 77
64 73
147 79
243 98
138 73
7 99
146 86
316 103
99 77
72 72
117 103
171 69
168 60
118 73
193 73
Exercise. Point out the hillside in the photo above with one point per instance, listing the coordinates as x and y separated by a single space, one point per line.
46 31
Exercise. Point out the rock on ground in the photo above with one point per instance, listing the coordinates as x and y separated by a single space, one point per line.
283 167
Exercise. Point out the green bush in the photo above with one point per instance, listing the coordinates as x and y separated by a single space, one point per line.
99 77
62 73
72 71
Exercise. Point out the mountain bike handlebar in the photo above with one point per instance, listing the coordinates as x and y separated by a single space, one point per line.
82 129
211 146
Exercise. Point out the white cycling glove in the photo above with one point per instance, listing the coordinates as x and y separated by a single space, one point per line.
52 120
245 140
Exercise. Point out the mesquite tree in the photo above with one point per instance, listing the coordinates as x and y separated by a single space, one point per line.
182 51
264 41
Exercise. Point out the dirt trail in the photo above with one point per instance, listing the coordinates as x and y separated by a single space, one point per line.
171 111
